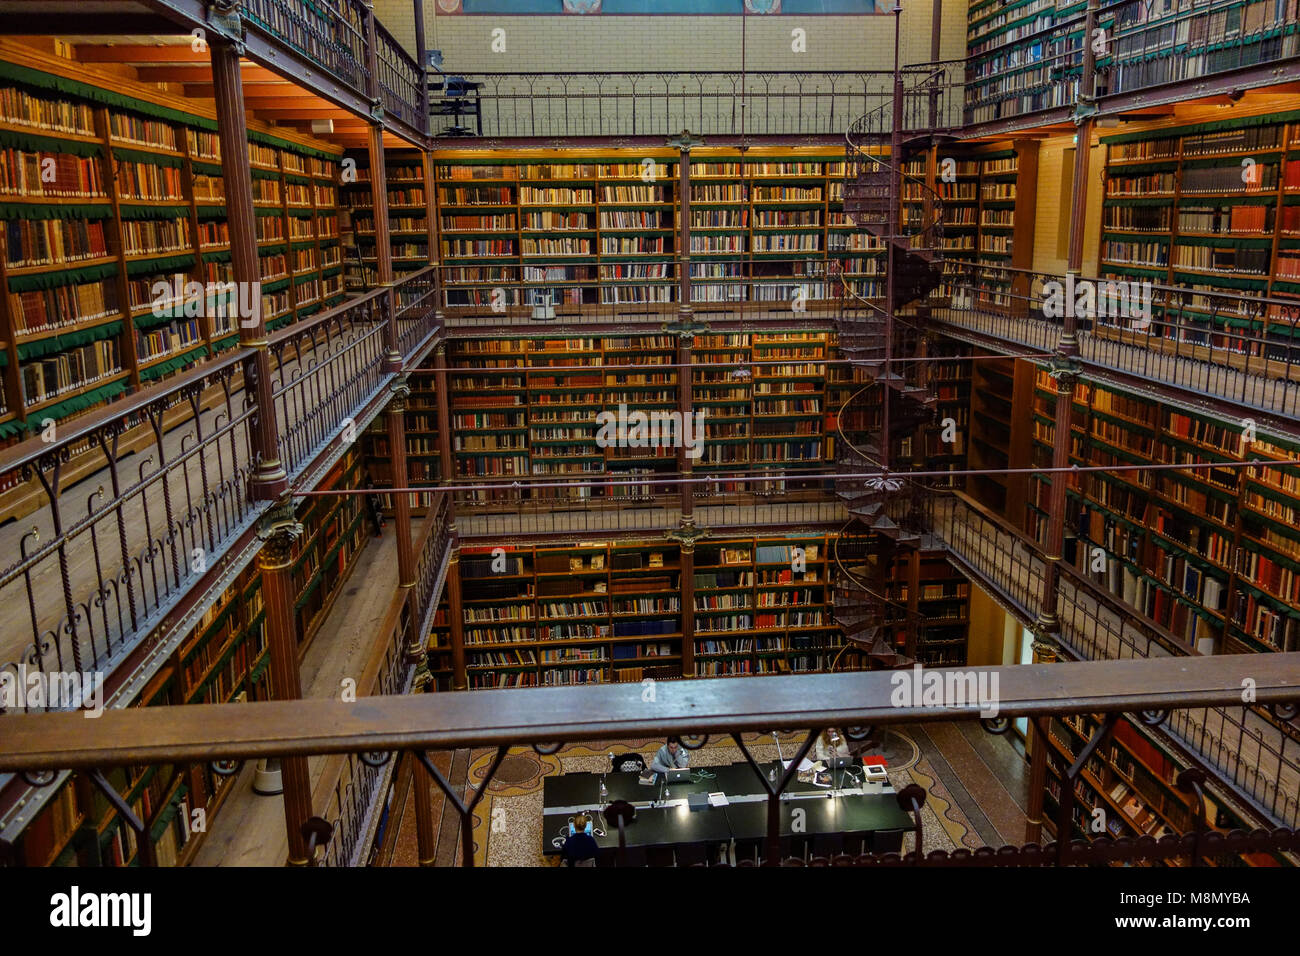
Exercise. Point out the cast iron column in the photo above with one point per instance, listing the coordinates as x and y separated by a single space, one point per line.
269 479
275 562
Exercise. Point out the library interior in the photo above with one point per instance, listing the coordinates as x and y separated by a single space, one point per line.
523 433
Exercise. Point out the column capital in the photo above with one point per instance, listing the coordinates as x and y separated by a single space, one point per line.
1065 370
686 328
687 534
278 530
685 141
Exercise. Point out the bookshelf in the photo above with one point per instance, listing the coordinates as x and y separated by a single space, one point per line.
589 612
1211 207
602 227
110 268
530 405
1131 781
408 218
1211 555
1001 394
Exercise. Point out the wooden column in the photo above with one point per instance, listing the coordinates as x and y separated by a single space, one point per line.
426 838
269 480
422 66
383 244
395 425
455 612
275 562
442 396
684 310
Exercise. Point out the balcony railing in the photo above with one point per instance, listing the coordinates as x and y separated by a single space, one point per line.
369 734
1256 752
708 103
1238 347
105 560
329 33
400 80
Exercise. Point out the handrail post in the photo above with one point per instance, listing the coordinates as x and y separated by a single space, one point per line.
269 479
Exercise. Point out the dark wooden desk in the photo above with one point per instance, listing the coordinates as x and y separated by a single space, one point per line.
745 816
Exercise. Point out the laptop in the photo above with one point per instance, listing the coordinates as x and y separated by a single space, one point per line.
678 776
839 763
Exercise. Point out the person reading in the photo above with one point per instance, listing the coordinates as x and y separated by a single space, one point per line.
671 756
580 847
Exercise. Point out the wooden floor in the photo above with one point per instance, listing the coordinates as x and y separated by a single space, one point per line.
249 830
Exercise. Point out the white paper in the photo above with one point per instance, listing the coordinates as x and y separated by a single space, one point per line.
804 765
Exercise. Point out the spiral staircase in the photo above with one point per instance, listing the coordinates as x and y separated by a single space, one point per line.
887 514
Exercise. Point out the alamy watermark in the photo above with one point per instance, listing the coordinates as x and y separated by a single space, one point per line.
657 429
57 690
945 688
1092 299
239 300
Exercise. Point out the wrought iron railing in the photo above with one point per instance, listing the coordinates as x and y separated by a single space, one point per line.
329 33
708 103
100 568
367 738
1256 751
401 80
1239 347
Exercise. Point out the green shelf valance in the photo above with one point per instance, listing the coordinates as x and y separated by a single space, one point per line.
1225 242
266 139
141 156
53 280
1228 162
268 210
276 286
35 210
178 361
207 169
67 340
279 323
275 250
1214 202
152 212
331 271
36 143
149 320
304 279
309 310
1140 201
77 403
217 255
1155 166
147 267
211 212
42 82
222 344
1227 282
256 173
1267 119
297 180
11 429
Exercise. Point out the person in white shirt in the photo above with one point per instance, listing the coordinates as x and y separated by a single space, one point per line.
671 756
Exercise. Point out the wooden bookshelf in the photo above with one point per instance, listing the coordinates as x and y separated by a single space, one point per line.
1211 207
1211 555
1127 790
408 218
588 227
136 205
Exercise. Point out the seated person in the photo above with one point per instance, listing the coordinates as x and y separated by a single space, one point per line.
831 744
671 756
580 847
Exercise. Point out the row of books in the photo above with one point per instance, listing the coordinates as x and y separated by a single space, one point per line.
34 242
74 368
55 176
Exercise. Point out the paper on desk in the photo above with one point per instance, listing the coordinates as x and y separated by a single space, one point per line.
804 765
718 799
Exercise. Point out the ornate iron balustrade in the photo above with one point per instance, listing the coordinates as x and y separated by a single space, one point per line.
101 568
1239 347
329 33
367 735
1257 752
709 103
401 80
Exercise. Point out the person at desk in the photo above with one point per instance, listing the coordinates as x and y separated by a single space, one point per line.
671 756
831 744
580 847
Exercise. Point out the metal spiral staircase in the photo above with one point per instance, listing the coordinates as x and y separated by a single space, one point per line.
893 399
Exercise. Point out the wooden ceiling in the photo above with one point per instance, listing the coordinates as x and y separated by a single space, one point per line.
170 64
